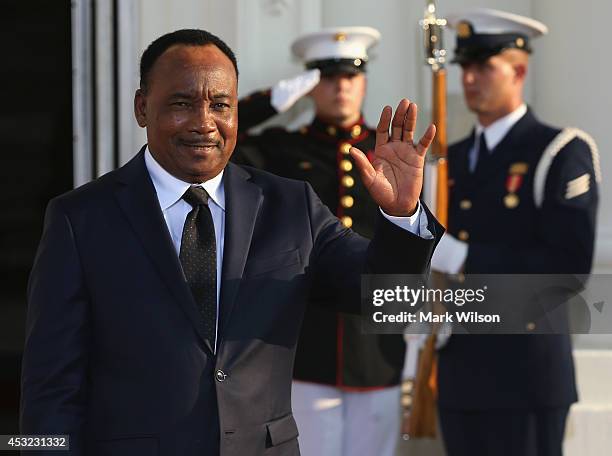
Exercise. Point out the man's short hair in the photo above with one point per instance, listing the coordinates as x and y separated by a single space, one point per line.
187 37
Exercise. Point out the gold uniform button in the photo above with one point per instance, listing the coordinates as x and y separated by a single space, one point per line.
407 386
511 200
347 201
345 148
356 131
465 204
347 221
331 130
348 181
346 165
464 235
406 401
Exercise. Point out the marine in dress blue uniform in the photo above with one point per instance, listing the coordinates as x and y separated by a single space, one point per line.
523 199
346 394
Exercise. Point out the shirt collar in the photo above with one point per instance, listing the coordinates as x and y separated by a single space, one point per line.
495 132
169 189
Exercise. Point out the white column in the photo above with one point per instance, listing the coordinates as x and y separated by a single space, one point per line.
82 93
572 88
105 95
130 19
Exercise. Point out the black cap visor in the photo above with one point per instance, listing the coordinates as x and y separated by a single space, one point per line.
478 48
331 67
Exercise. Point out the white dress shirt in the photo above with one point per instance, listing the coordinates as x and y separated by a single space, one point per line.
494 133
170 190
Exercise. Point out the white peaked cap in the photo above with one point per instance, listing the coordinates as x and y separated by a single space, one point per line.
336 43
490 21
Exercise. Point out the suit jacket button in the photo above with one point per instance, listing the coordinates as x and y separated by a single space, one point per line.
220 376
463 235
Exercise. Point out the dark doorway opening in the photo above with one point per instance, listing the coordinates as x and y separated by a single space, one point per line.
36 161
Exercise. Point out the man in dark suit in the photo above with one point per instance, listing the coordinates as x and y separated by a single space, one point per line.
166 297
523 200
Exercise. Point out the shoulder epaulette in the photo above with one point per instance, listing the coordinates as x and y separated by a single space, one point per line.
564 137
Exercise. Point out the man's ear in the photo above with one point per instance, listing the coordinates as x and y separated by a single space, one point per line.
140 108
520 71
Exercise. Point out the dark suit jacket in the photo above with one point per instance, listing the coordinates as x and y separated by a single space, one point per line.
114 354
478 372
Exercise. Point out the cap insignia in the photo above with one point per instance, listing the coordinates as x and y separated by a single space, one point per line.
464 30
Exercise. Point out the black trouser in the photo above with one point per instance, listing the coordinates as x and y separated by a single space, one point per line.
504 432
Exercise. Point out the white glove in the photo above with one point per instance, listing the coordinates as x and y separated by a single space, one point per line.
415 342
286 92
450 255
444 333
418 340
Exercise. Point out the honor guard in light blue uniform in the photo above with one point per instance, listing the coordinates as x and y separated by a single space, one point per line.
523 199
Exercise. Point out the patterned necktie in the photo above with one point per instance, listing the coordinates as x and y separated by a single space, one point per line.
483 153
198 256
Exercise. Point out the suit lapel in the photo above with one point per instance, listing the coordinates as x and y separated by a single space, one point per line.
137 198
242 203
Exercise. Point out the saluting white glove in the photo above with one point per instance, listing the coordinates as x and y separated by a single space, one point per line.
450 254
287 91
